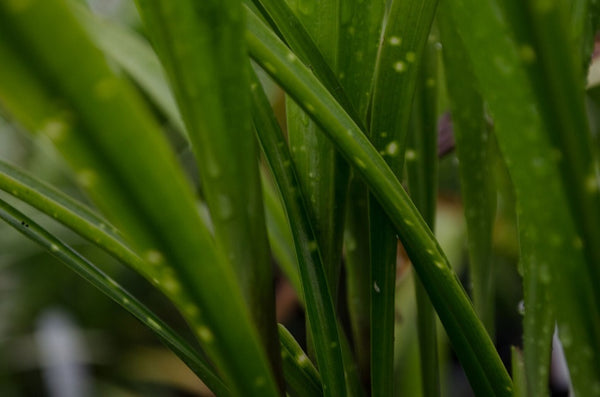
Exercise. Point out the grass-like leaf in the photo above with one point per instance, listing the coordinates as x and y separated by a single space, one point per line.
319 303
322 173
474 152
298 38
301 376
539 143
80 103
280 234
135 55
201 46
518 373
114 291
132 53
422 185
467 335
400 55
362 23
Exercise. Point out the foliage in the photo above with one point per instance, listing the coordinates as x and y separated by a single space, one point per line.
195 183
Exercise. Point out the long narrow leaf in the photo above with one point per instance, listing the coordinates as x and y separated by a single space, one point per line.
113 290
362 24
467 335
539 142
131 52
299 40
301 376
201 46
538 324
322 173
135 55
317 294
473 148
396 75
422 185
82 105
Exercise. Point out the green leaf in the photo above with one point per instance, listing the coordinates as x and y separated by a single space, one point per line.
322 173
320 308
362 24
130 51
201 46
298 38
135 55
518 373
475 165
59 83
467 335
422 174
301 376
116 292
531 83
280 234
396 75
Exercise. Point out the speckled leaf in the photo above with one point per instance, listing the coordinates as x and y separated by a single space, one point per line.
467 335
396 74
301 376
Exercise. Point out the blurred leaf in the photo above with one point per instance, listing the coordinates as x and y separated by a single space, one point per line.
59 83
113 290
475 164
201 46
531 83
135 55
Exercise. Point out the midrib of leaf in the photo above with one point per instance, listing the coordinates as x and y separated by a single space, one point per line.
201 46
320 308
469 339
531 131
406 31
119 171
116 292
